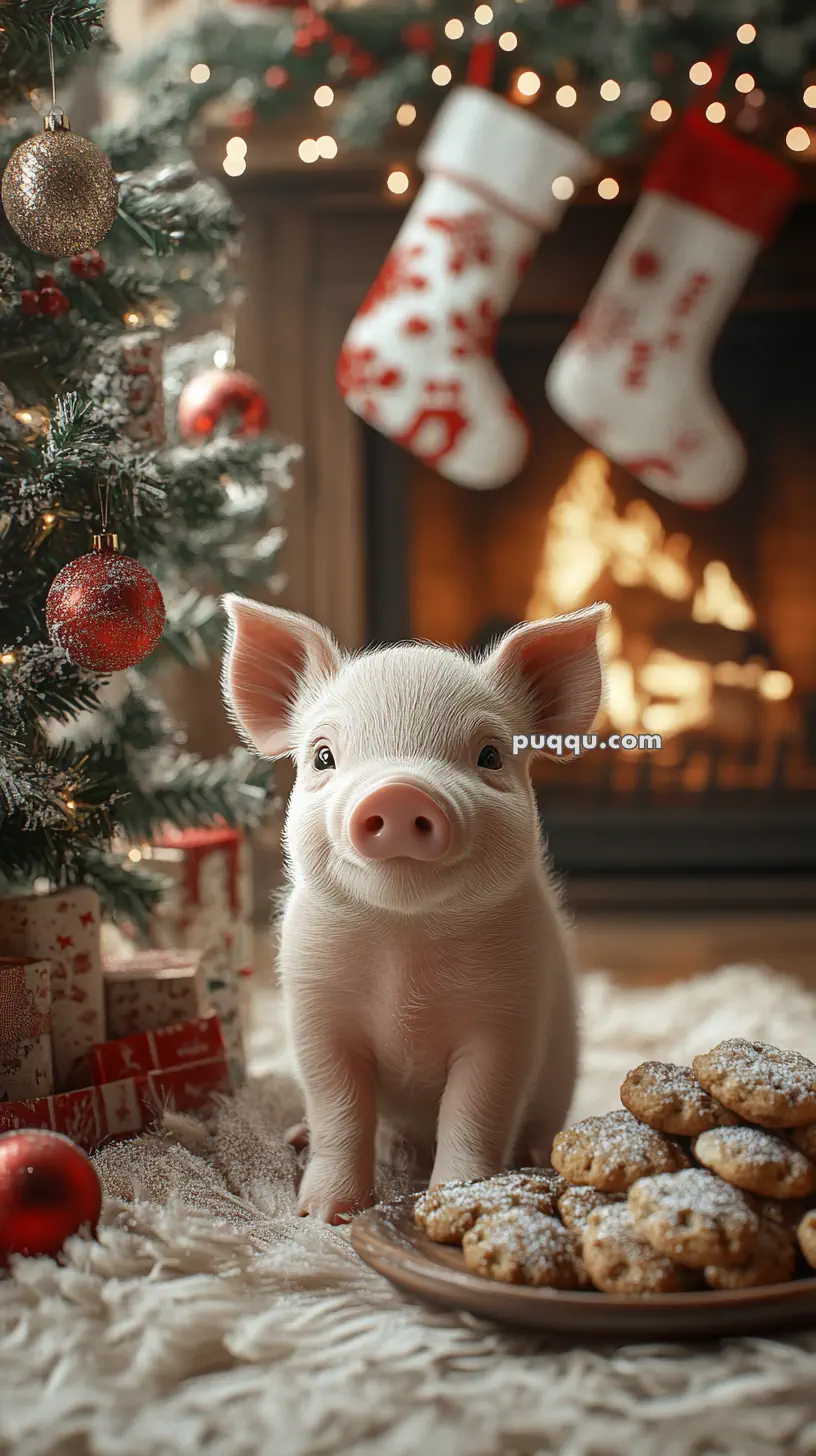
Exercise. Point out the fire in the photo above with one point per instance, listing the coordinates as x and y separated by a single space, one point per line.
650 688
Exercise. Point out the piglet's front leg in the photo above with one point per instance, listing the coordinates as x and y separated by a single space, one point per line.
480 1112
341 1118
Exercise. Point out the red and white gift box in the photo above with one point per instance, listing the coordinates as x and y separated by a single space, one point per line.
153 988
26 1068
62 928
167 1073
210 909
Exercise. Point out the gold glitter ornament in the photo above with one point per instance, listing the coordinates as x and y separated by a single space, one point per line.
60 192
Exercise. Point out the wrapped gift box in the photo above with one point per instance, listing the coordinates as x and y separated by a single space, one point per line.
153 988
93 1115
210 909
168 1047
26 1068
62 928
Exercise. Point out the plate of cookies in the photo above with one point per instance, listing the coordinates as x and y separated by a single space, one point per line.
687 1212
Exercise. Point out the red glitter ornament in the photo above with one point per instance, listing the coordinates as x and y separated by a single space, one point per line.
104 609
49 1189
222 396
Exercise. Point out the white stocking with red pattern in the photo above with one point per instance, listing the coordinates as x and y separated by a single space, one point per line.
633 376
418 360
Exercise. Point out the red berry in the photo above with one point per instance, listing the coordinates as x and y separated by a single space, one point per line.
342 45
44 280
28 301
302 42
88 265
52 302
320 28
362 64
276 77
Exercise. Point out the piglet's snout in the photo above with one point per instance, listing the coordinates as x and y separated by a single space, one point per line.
399 820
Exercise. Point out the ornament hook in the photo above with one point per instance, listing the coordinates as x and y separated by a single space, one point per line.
55 120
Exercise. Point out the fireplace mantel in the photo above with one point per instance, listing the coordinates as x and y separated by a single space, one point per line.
314 241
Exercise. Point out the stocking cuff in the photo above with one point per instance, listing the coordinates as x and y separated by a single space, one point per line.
708 167
504 154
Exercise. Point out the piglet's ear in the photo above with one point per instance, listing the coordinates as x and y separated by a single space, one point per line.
558 664
271 654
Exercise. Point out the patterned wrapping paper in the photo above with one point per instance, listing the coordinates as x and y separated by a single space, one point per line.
26 1068
153 988
62 928
93 1115
161 1050
210 909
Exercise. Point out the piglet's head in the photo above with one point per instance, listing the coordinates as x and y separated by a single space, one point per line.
409 796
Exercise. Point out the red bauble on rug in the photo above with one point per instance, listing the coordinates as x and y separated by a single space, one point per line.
104 609
222 395
49 1190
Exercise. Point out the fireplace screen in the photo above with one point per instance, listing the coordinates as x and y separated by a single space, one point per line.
711 644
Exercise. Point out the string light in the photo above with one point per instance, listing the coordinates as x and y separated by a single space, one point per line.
744 83
308 151
508 40
608 188
234 164
397 181
324 96
454 29
563 188
24 416
8 659
798 139
406 114
716 111
70 804
134 855
700 73
809 97
221 358
200 74
775 686
746 33
49 518
326 146
661 111
566 95
483 14
133 319
528 83
755 97
610 90
441 75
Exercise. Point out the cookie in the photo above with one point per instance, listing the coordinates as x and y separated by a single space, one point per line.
576 1204
756 1161
773 1261
520 1246
806 1236
613 1151
447 1211
619 1260
670 1099
786 1212
759 1082
804 1139
695 1218
538 1180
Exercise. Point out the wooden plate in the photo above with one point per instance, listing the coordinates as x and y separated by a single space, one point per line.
387 1238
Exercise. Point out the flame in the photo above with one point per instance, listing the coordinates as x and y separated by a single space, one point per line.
652 689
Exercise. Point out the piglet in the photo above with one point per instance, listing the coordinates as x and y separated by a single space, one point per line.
424 961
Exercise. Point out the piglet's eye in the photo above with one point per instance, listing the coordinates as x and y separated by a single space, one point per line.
490 757
324 758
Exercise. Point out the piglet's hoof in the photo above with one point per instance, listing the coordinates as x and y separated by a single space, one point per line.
332 1193
330 1210
297 1136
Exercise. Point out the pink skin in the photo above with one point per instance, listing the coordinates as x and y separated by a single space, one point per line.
424 962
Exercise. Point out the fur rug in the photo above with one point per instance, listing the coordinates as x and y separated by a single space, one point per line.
206 1318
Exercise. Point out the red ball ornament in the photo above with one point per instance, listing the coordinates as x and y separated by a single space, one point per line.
420 37
222 395
49 1189
104 609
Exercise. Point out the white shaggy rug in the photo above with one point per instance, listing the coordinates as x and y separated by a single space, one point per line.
207 1319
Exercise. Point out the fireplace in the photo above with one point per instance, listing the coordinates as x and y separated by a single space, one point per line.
712 640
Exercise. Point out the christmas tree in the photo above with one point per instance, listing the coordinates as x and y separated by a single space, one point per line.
89 759
614 70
